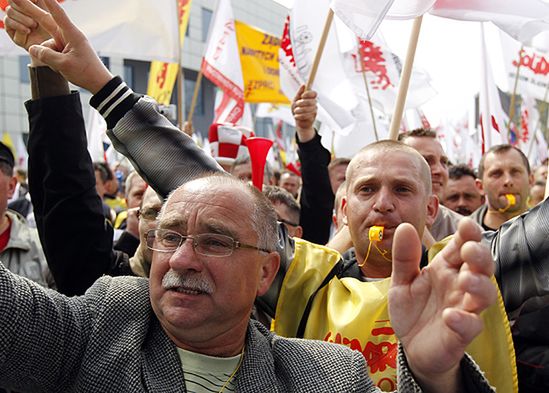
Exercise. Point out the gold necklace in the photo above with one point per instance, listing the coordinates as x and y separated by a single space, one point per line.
235 370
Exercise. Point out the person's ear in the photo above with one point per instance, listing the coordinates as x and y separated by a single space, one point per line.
344 210
11 186
267 272
432 210
480 187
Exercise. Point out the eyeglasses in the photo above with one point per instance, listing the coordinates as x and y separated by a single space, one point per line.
208 244
287 222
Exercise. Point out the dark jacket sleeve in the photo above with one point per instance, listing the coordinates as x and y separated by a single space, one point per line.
75 237
317 198
521 250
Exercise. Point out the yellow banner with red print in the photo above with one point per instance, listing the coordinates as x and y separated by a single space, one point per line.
259 60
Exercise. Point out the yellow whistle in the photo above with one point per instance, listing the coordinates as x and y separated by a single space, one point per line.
511 199
375 234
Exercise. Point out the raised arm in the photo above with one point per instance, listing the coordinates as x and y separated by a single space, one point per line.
317 198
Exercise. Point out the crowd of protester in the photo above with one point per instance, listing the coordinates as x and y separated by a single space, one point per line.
173 273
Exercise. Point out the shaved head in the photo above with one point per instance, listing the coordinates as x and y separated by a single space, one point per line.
387 147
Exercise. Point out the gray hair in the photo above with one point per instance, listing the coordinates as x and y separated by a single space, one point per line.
263 216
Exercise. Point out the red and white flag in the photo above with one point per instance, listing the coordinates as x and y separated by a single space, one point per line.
493 119
521 19
221 64
335 92
131 29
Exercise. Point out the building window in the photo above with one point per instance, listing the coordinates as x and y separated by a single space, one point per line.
189 91
128 76
206 19
24 62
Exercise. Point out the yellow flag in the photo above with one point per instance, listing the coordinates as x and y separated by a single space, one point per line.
162 75
162 78
259 59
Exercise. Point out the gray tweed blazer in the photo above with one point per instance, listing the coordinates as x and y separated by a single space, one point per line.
109 340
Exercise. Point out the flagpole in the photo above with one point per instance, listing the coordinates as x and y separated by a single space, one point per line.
320 49
405 79
179 71
189 124
365 78
513 96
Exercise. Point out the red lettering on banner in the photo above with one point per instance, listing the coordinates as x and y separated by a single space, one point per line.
378 355
229 28
533 61
372 60
161 77
181 5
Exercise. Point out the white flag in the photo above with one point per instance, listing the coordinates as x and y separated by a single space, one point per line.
493 120
96 129
221 63
335 92
364 16
131 29
521 19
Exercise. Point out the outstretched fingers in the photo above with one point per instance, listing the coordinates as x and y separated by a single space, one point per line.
406 255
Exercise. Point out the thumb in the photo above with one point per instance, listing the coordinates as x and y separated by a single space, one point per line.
406 255
46 55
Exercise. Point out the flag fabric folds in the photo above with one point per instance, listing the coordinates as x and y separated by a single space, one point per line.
133 29
221 63
522 19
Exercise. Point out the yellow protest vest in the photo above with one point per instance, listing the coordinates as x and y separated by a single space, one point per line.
354 313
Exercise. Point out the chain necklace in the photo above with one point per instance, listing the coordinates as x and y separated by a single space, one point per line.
234 372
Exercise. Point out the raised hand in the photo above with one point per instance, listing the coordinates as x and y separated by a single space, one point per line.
304 109
68 52
435 312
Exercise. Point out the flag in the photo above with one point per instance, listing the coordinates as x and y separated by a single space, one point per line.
534 68
383 69
131 29
521 19
493 120
221 63
96 129
299 45
275 111
162 77
259 59
364 16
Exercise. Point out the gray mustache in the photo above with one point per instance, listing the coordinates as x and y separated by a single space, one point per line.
192 281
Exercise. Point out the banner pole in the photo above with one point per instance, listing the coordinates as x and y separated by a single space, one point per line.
405 79
365 78
189 123
513 96
320 49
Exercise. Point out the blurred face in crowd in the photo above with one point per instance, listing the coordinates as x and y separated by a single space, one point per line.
243 171
540 174
505 173
100 185
432 151
148 212
537 194
209 298
291 183
386 186
134 196
290 221
7 188
462 195
337 176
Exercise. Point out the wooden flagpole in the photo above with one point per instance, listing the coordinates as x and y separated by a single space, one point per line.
513 96
180 75
320 49
189 122
365 78
405 79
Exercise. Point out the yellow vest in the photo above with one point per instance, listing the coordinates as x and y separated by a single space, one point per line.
354 313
